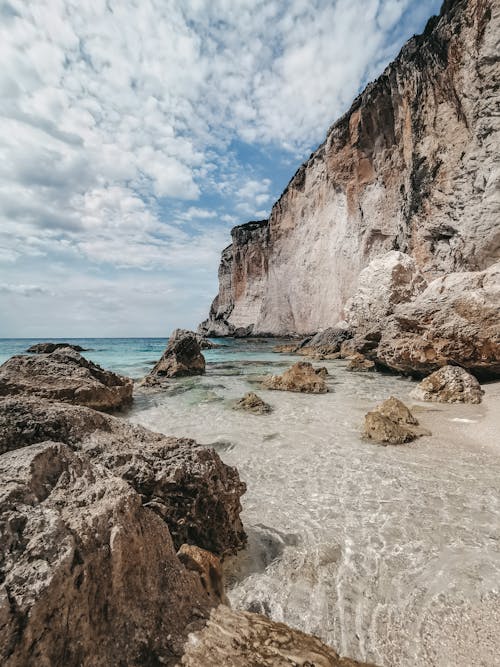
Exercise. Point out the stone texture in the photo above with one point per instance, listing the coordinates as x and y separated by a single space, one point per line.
242 639
455 319
413 166
89 576
450 384
301 377
182 357
253 403
359 363
391 423
209 569
326 343
41 348
187 485
65 375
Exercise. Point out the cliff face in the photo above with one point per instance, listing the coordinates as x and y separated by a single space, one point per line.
412 166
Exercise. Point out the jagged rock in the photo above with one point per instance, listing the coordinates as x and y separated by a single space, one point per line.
209 569
42 348
450 384
325 343
412 167
288 348
243 332
65 375
391 423
322 372
89 576
301 377
456 319
242 639
253 403
182 357
386 282
360 363
187 485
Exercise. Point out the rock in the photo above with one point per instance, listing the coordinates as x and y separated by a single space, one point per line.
41 348
288 348
325 343
450 384
182 357
386 282
89 576
411 167
242 639
322 372
209 569
187 485
65 375
243 332
360 363
456 320
391 423
300 377
253 403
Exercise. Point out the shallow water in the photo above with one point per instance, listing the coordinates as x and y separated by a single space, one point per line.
390 554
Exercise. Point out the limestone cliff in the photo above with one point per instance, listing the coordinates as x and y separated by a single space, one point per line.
412 166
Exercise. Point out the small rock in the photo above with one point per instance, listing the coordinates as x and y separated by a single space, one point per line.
301 377
253 403
391 423
182 357
322 372
360 363
450 384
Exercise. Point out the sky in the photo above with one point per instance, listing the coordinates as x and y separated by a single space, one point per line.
136 133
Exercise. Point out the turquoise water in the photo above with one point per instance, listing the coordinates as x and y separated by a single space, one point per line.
135 356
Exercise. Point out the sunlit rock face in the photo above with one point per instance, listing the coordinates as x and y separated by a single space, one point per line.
413 166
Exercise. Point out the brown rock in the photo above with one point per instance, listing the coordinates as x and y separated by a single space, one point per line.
209 569
241 639
40 348
450 384
322 372
253 403
187 485
360 363
88 575
391 423
64 375
301 377
182 357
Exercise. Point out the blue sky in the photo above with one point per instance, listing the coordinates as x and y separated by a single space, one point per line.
134 135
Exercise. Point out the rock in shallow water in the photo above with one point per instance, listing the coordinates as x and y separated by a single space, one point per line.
301 377
359 363
40 348
64 375
391 423
182 357
253 403
450 384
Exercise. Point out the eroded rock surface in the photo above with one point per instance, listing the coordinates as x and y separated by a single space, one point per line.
187 485
360 364
182 357
325 343
301 377
391 423
40 348
253 403
89 576
64 375
450 384
242 639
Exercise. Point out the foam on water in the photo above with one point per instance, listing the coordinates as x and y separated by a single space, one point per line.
390 554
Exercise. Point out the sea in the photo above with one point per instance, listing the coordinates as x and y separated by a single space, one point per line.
389 554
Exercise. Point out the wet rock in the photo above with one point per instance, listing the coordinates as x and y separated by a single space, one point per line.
455 320
89 576
209 569
182 357
391 423
325 343
322 372
360 363
65 375
288 348
253 403
450 384
301 377
243 639
43 348
187 485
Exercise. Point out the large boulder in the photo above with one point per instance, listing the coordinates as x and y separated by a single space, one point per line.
326 342
64 375
182 357
301 377
187 485
391 423
42 348
455 320
450 384
89 576
242 639
387 281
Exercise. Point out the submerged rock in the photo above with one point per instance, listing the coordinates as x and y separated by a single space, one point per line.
450 384
187 485
301 377
242 639
391 423
360 363
65 375
253 403
89 576
40 348
182 357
